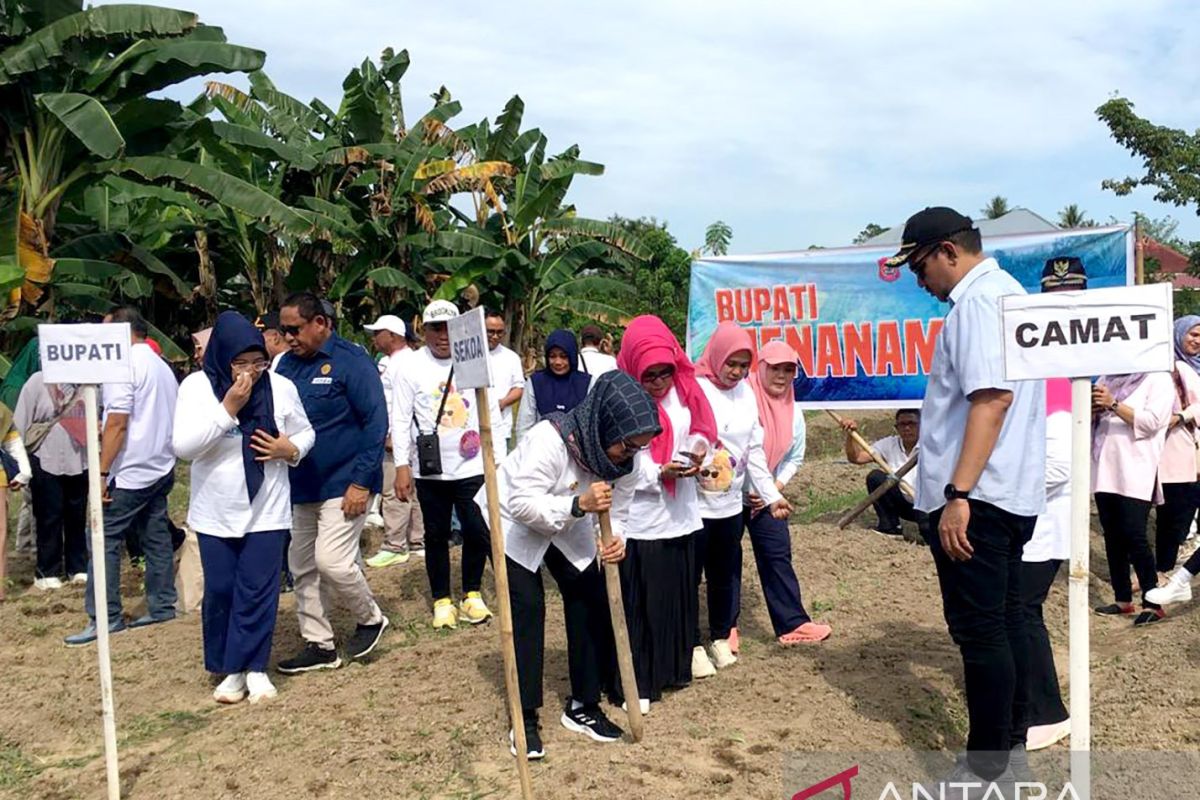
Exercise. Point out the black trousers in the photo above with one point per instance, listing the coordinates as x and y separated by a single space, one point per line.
1172 521
719 558
981 599
437 499
60 511
591 653
1124 521
658 582
1045 697
892 506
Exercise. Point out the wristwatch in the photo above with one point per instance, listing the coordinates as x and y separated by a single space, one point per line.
576 511
1113 406
952 492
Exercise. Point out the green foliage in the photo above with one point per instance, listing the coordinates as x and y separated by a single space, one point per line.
870 232
997 207
1072 216
1169 156
716 238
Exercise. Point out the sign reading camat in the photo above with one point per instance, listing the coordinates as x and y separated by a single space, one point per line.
1095 332
86 353
469 351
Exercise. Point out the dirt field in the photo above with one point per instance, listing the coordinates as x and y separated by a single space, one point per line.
425 718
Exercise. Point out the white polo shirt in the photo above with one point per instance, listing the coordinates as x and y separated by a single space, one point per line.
593 362
507 374
891 450
969 357
150 403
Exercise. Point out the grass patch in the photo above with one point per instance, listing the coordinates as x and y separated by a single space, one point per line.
15 767
814 506
148 727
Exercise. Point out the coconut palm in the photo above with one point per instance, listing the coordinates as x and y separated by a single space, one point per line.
997 207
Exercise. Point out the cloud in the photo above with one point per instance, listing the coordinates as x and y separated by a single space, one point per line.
794 122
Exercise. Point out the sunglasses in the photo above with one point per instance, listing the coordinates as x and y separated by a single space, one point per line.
917 265
659 375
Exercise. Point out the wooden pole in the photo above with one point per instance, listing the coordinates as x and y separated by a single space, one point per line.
500 570
616 609
880 490
100 590
878 459
1139 254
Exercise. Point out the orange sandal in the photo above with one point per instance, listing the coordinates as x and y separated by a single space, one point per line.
808 633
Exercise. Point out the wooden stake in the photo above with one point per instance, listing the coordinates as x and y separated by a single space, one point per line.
880 490
878 459
616 609
500 570
3 540
1139 254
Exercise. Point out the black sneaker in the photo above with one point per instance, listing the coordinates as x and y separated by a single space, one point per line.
533 740
365 638
312 657
591 722
1148 616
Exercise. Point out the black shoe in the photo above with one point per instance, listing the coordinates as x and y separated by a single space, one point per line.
1148 617
533 739
312 657
365 638
591 722
1115 609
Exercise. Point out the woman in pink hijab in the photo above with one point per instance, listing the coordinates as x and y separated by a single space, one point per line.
658 575
737 463
784 442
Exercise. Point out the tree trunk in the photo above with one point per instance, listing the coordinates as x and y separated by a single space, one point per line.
207 287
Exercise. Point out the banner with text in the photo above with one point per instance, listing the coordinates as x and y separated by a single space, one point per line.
865 333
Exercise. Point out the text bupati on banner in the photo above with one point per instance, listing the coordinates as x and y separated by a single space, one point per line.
864 332
469 351
86 353
1094 332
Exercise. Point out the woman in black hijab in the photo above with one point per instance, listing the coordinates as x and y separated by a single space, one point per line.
567 469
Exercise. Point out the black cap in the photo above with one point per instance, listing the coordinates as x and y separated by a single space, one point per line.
1062 273
268 322
933 225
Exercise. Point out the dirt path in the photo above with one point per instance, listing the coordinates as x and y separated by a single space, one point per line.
425 718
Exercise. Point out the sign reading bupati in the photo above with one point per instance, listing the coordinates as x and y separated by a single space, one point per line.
469 351
865 332
1081 334
86 353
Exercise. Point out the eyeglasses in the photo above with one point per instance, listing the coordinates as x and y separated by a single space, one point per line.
491 332
260 365
631 448
658 375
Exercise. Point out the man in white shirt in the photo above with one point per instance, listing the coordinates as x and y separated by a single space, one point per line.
982 481
137 468
893 505
591 360
403 526
508 377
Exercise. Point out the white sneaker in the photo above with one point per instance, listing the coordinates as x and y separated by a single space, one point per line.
1040 737
231 690
260 687
79 578
722 655
48 584
1176 590
701 666
643 704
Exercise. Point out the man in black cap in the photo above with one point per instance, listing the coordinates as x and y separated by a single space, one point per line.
982 482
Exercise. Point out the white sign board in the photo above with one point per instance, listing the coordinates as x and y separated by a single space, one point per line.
469 351
86 353
1094 332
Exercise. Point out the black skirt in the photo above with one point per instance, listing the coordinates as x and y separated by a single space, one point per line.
658 583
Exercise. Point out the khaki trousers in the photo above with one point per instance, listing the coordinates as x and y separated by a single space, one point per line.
403 524
326 567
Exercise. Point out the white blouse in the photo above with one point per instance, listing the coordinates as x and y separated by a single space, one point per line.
656 514
207 436
738 453
536 486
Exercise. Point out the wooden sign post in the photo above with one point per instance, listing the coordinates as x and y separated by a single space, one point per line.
616 609
472 370
88 355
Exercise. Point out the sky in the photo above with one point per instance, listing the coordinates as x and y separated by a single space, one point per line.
797 123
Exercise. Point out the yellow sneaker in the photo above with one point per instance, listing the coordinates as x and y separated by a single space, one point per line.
473 609
445 615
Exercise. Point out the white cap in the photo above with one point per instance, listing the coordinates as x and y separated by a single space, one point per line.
388 322
439 311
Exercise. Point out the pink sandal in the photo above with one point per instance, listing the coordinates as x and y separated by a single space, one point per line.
808 633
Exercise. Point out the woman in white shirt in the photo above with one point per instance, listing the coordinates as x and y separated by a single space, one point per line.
242 427
784 442
555 389
736 456
658 576
567 468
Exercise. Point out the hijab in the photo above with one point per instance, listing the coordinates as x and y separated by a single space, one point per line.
775 413
617 408
648 341
729 338
231 336
560 393
1182 326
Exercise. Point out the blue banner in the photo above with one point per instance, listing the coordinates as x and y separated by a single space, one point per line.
865 332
